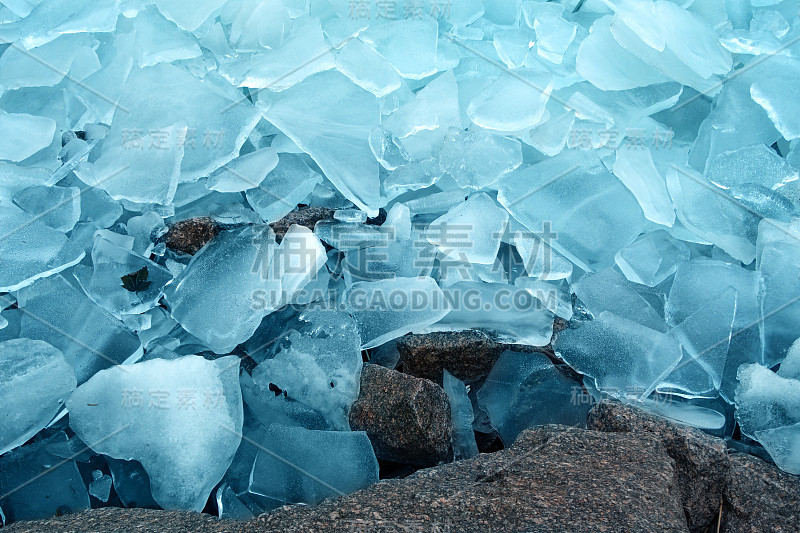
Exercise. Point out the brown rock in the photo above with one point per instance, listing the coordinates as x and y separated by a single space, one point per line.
188 236
553 479
304 216
407 419
760 498
700 459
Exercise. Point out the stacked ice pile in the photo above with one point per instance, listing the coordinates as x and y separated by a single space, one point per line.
628 166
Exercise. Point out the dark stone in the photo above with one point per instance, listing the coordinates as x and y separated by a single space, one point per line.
303 216
701 460
759 498
407 419
188 236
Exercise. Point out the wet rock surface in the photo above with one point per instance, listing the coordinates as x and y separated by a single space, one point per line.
406 418
701 461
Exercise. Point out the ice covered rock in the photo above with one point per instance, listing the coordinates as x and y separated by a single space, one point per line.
36 381
330 118
181 419
296 465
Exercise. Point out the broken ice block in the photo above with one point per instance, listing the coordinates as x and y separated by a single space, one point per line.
100 487
35 484
316 374
608 290
513 102
367 69
296 465
783 445
189 15
470 231
511 314
699 283
58 207
30 134
244 172
330 118
31 250
777 97
385 310
182 419
790 367
651 258
765 400
623 357
635 167
592 214
477 159
160 41
89 336
236 267
555 298
36 380
285 186
525 390
131 483
539 258
387 149
464 445
409 45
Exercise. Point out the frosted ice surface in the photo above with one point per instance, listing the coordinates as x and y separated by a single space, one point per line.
556 298
58 207
367 69
285 186
236 267
790 367
652 258
319 372
89 336
707 211
525 390
471 230
623 357
592 214
36 484
464 445
31 250
296 465
330 118
388 149
387 309
756 163
783 445
765 400
181 419
477 159
509 313
30 134
512 102
608 290
244 172
635 168
100 487
698 284
189 15
409 45
36 381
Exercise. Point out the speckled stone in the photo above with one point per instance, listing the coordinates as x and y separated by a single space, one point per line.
553 479
760 498
407 419
188 236
302 216
701 460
